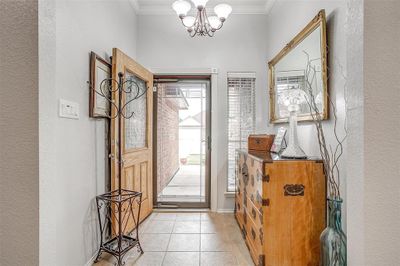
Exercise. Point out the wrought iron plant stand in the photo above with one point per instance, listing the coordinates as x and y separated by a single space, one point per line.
119 226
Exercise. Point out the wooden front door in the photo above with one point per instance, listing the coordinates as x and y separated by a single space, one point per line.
137 132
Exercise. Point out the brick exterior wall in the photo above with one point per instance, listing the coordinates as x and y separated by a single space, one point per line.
167 141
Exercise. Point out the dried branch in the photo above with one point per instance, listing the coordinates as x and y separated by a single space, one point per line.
330 153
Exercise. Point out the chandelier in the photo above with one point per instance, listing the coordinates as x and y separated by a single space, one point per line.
201 25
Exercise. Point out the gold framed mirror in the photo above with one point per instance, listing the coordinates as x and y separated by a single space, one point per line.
289 69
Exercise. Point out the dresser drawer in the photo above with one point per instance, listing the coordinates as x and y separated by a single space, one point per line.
254 184
254 239
239 209
255 214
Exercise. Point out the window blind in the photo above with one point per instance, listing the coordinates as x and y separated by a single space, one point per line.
285 83
241 117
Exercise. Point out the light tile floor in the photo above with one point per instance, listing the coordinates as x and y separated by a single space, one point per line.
185 239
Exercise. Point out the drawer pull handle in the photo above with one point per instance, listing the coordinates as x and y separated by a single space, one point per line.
265 202
294 190
265 178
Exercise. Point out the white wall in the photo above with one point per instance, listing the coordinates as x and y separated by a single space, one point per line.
355 140
239 46
72 151
286 20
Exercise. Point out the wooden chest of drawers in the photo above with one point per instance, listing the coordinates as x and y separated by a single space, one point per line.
280 208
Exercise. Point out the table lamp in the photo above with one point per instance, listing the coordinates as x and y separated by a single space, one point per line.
292 98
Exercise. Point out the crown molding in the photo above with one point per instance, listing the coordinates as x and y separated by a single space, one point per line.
269 5
239 8
242 10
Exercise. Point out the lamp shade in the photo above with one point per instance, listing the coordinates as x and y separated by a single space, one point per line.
223 11
214 21
181 7
188 21
199 3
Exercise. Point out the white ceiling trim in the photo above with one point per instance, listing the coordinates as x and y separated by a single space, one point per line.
238 9
269 5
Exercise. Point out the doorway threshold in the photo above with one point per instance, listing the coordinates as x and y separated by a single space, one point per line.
175 210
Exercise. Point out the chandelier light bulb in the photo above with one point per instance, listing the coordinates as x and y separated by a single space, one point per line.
215 22
181 7
223 11
188 21
200 4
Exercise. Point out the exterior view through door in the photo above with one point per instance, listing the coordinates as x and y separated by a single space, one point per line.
182 143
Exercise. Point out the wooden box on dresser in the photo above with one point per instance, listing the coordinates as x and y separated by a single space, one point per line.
280 208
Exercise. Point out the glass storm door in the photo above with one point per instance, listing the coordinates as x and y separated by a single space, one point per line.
182 144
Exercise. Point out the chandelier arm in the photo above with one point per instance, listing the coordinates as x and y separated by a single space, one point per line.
202 28
197 23
192 34
222 23
202 25
194 28
207 25
213 30
183 23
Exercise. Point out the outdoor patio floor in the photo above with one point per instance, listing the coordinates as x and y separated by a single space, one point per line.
188 185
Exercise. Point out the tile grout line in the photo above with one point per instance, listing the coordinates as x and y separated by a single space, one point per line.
169 240
200 243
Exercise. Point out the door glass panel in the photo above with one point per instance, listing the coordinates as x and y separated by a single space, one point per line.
136 126
182 142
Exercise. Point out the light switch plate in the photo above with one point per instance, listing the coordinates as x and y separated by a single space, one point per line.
68 109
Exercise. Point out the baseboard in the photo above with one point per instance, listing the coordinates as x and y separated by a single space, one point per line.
177 210
91 260
225 211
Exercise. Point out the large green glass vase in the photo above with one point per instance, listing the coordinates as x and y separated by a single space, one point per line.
333 240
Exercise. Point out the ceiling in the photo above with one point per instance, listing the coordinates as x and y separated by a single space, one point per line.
163 7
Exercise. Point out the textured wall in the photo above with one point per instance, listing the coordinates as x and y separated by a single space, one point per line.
19 172
47 136
355 140
381 132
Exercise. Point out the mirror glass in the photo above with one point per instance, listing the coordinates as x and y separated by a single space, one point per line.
301 65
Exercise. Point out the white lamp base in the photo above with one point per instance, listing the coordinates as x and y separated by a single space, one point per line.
293 150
